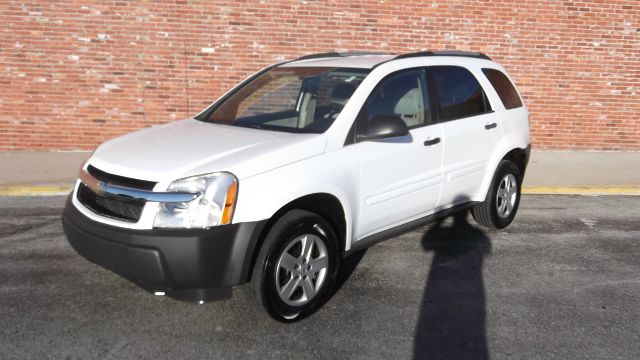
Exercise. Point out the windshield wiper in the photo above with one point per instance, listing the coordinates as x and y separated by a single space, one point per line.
253 126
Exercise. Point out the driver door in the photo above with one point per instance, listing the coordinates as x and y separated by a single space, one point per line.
400 178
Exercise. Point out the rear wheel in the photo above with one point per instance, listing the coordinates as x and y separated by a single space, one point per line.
501 203
297 266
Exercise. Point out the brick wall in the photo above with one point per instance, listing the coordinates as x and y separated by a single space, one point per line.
75 73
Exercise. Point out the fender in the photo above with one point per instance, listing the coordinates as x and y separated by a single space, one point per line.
263 195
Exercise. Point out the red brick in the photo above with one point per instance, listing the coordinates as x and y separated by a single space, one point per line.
75 74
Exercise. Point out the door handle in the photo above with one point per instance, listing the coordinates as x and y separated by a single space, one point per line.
490 126
430 142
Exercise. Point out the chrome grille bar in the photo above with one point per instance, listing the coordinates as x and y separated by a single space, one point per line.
101 187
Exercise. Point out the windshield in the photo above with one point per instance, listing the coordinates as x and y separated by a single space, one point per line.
292 99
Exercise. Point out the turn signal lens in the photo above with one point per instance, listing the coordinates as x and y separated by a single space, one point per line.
229 203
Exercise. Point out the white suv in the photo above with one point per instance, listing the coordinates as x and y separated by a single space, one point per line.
298 166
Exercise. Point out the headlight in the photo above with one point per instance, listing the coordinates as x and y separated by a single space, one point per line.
214 206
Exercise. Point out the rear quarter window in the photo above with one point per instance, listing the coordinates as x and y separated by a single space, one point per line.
505 89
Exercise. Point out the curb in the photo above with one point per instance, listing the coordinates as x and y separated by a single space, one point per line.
57 190
581 190
34 190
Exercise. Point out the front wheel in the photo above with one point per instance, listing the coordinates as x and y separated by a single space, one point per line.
296 267
501 203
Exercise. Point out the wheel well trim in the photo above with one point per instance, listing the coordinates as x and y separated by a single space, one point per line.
501 153
342 229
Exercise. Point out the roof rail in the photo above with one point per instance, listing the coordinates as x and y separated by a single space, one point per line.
414 54
471 54
340 54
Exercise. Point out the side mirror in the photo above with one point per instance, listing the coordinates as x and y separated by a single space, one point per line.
384 127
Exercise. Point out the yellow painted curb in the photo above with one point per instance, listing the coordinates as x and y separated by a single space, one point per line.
581 190
34 190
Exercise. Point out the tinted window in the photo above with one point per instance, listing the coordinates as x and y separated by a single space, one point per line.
401 94
505 89
459 93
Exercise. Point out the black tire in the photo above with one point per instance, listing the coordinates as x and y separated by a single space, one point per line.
493 212
287 235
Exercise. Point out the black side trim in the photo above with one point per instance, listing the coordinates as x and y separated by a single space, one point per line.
405 228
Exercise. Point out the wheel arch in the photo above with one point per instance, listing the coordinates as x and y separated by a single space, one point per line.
520 157
324 204
516 151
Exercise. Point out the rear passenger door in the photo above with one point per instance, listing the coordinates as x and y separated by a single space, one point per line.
470 129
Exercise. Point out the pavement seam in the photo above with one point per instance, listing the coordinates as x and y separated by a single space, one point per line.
52 190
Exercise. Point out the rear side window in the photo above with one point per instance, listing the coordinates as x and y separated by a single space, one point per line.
459 93
505 89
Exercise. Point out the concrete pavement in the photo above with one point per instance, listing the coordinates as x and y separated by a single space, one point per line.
549 172
560 283
583 169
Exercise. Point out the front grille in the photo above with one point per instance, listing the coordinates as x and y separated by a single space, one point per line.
128 210
120 180
113 206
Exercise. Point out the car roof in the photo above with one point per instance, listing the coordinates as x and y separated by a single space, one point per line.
370 60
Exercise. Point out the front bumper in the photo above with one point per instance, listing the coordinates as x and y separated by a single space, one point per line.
189 264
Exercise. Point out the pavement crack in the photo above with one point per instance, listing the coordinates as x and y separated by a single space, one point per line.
115 349
7 230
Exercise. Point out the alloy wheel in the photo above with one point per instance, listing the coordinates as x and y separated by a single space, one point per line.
301 270
506 195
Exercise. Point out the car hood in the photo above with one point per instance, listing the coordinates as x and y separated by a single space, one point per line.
190 147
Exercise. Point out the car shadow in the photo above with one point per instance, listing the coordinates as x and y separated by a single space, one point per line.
347 266
452 319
